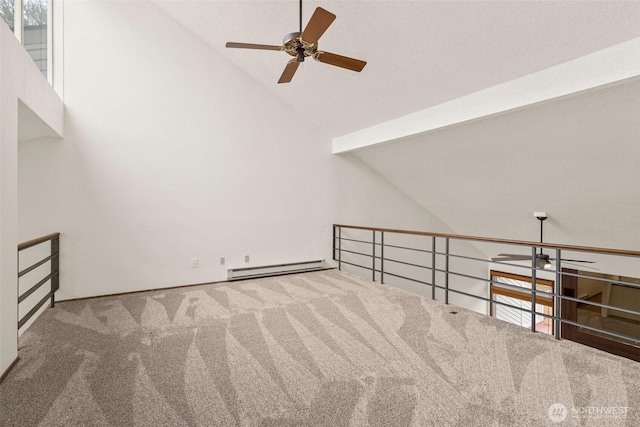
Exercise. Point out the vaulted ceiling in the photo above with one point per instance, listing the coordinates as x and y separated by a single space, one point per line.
574 157
419 53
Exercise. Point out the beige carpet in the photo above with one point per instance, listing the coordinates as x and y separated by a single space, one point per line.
314 349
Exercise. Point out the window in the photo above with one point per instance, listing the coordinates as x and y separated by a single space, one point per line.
34 36
30 22
7 9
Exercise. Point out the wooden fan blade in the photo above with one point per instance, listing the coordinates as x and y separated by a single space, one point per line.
289 71
582 266
318 24
508 258
340 61
574 260
252 46
513 257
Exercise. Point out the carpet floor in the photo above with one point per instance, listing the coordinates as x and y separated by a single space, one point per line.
315 349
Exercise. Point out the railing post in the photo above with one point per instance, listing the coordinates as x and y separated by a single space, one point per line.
446 272
382 257
373 270
534 265
557 302
340 248
333 244
55 268
433 267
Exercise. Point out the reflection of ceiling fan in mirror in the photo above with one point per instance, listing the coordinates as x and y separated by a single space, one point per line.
305 43
542 260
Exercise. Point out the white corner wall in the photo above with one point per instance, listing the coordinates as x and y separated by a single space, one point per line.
172 153
21 83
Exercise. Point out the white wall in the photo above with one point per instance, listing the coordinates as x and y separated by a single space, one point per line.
365 198
172 153
20 81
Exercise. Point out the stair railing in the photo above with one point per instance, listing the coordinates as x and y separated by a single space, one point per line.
53 276
429 263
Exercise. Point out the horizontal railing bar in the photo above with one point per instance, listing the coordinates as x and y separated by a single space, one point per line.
603 279
501 284
33 311
488 300
593 328
528 267
464 257
597 304
543 293
36 265
468 276
357 253
37 241
406 263
524 267
507 285
408 278
562 320
451 289
355 265
493 282
355 240
625 285
581 325
548 316
609 251
386 245
618 283
35 287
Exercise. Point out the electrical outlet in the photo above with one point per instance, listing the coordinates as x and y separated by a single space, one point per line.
246 258
221 260
194 262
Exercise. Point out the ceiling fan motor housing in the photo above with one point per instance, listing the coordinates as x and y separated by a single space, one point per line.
298 48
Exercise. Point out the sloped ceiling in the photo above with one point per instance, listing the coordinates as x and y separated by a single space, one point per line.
419 53
576 158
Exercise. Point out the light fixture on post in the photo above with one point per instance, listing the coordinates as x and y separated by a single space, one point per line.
542 259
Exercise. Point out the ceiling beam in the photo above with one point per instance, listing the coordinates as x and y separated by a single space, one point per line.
609 66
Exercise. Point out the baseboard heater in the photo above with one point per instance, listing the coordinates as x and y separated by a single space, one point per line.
275 270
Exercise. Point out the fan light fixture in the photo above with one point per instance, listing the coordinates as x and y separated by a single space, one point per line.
542 260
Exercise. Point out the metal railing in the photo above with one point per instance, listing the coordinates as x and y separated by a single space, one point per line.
53 276
352 247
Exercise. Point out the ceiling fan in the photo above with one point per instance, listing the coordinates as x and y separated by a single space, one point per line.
302 44
542 260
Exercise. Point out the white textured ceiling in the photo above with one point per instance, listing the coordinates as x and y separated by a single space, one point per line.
419 53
